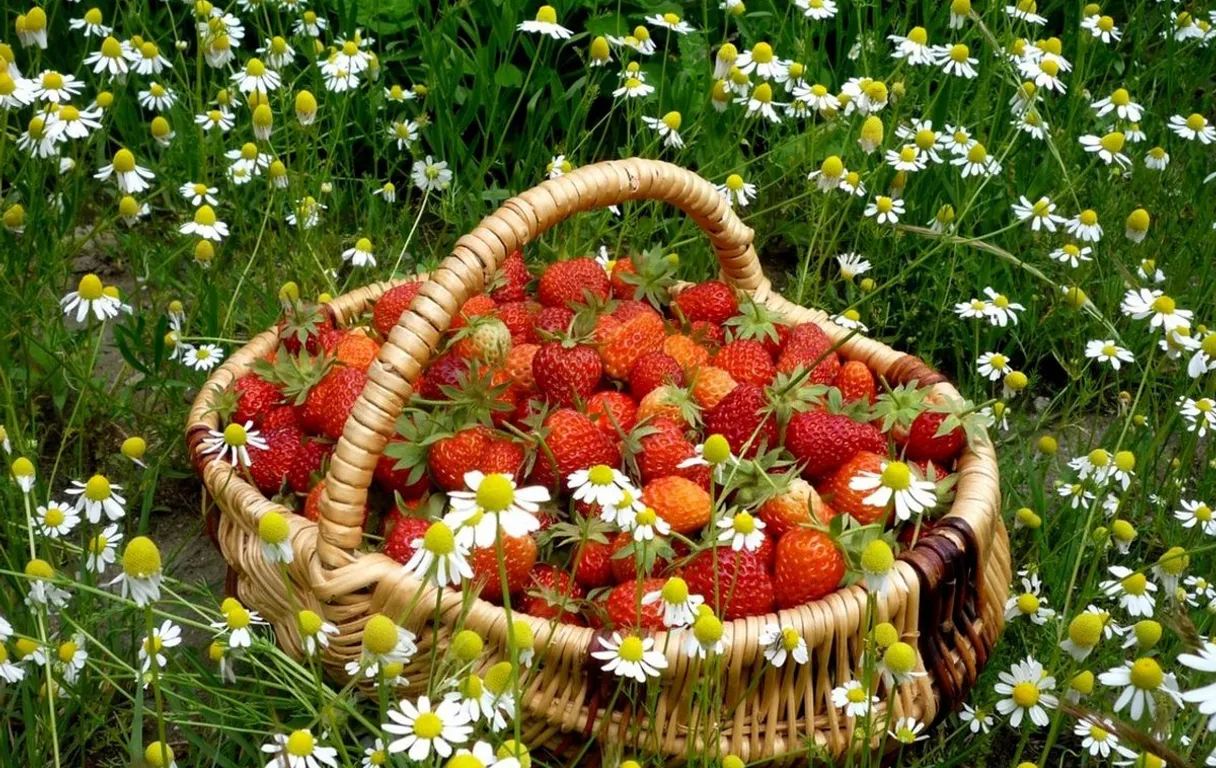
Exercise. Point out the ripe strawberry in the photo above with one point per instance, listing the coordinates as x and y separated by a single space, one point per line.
570 281
545 582
451 457
518 366
743 584
622 408
566 372
520 319
593 564
605 326
501 456
806 344
923 444
709 385
302 326
652 370
712 301
665 401
855 382
283 416
308 462
624 605
575 442
481 304
518 555
637 336
708 334
844 499
485 339
399 543
689 354
255 398
312 503
808 567
444 371
355 350
681 502
788 509
392 305
823 441
740 419
329 403
627 309
270 467
663 450
747 362
622 289
554 320
514 278
398 480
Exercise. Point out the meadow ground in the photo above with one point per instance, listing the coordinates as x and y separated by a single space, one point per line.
1020 195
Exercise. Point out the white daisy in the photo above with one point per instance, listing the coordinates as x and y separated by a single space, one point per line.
300 749
1107 351
438 557
1160 310
630 657
56 520
421 729
853 698
1134 591
600 485
895 484
203 357
1028 688
742 531
1041 213
1071 254
679 606
1196 127
167 635
431 175
493 501
97 496
1140 680
781 643
100 552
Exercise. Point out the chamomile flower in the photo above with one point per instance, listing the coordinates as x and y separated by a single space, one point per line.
97 496
1103 28
736 191
850 319
1119 102
1205 696
914 48
633 88
314 631
91 24
885 210
1141 680
760 103
1041 213
56 520
1107 351
782 643
141 571
147 59
1084 633
1160 310
1044 73
100 551
299 749
493 501
310 25
1029 603
360 254
1098 737
630 657
42 590
1156 159
108 59
421 729
742 531
907 730
9 672
831 172
151 650
975 309
156 97
256 78
1148 271
907 158
853 698
976 719
431 175
1195 127
205 224
957 140
977 162
1199 414
600 484
438 557
1084 226
668 128
384 643
678 605
1028 689
1196 513
647 524
1001 311
818 10
387 192
403 133
203 357
215 120
877 566
199 194
957 60
237 621
1109 148
639 41
1071 254
760 61
277 53
817 97
670 21
1032 124
1133 590
706 637
895 486
90 297
130 177
993 365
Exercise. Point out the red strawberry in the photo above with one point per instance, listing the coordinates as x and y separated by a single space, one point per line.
844 499
451 457
622 407
740 419
445 371
627 309
575 442
399 544
518 555
605 327
788 509
566 372
570 281
621 288
806 344
284 416
255 398
855 382
708 334
625 567
922 441
270 467
308 462
743 584
685 505
302 326
641 333
663 450
515 278
822 441
398 480
312 503
712 301
501 456
554 320
546 582
329 403
480 304
808 567
593 564
392 304
653 370
747 362
625 609
520 319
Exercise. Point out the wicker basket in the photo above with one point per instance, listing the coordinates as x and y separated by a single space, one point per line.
950 588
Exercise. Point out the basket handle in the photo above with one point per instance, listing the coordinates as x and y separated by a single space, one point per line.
471 266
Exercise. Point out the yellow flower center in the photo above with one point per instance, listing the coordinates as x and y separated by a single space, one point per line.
856 695
631 649
310 622
1196 122
255 68
900 658
897 476
1025 695
238 618
234 434
97 488
1120 98
428 725
124 161
790 639
54 517
1164 305
111 48
632 84
1088 217
977 154
647 517
998 361
877 558
884 204
763 93
918 35
141 559
262 116
832 167
1203 513
439 539
707 629
249 151
959 52
1174 560
925 139
744 523
300 744
1086 630
675 591
907 154
1146 674
1050 67
671 18
380 635
734 182
1113 142
672 120
39 569
1106 23
762 53
496 493
853 178
93 16
273 528
1125 461
1028 603
1205 405
1099 457
641 33
1136 584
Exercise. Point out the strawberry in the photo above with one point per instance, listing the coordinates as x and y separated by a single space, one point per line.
567 282
708 334
593 564
283 416
624 605
355 350
574 442
923 443
667 401
808 567
481 304
485 339
747 362
451 457
329 403
855 382
554 320
788 509
621 288
518 366
712 301
513 279
605 327
689 354
518 555
308 462
546 582
610 406
501 456
744 587
312 503
806 344
399 544
637 336
709 385
566 372
844 499
654 369
392 305
740 418
255 398
271 466
520 319
302 326
681 502
444 371
663 450
627 309
398 480
822 441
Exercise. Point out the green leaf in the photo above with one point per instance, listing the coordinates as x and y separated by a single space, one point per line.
508 76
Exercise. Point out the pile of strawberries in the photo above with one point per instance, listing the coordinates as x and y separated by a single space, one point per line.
597 363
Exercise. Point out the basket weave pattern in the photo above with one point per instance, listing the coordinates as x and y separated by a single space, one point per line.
949 589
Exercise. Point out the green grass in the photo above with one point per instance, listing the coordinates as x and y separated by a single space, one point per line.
497 106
